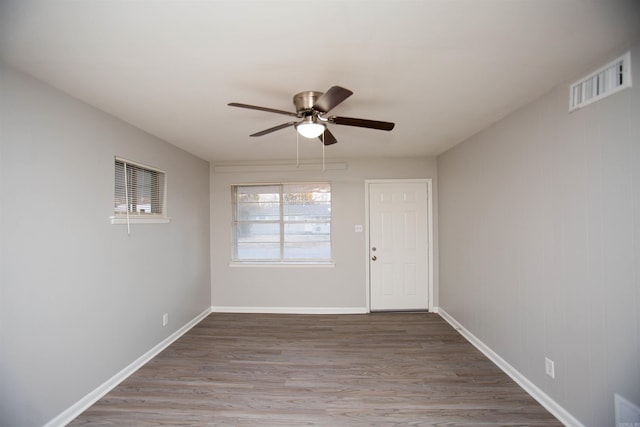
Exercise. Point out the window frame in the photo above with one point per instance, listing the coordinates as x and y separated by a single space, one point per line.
282 224
136 217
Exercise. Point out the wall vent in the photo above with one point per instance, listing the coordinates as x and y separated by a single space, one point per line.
606 81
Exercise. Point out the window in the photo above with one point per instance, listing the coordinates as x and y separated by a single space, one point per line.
284 223
139 193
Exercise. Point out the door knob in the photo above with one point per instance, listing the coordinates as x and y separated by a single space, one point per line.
373 258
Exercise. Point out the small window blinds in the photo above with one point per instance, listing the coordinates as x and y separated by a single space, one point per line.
139 192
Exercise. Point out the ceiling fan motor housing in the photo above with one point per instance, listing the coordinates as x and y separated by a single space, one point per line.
304 101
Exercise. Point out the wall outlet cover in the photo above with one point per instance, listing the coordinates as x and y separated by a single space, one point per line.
549 367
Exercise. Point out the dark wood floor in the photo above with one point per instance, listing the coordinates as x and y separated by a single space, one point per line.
330 370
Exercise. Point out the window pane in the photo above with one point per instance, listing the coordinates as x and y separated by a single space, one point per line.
257 241
307 241
307 211
307 232
258 203
258 232
307 202
308 250
309 192
258 212
258 251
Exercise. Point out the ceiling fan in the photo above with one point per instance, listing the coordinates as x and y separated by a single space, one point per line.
311 108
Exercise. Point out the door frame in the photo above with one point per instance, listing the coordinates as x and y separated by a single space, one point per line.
430 274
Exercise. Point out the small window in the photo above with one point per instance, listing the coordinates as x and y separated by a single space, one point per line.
139 193
282 223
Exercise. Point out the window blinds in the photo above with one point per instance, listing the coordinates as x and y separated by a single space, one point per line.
139 190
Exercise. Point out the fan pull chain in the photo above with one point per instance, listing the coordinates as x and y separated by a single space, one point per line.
322 151
297 150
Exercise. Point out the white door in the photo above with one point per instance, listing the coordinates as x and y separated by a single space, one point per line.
398 246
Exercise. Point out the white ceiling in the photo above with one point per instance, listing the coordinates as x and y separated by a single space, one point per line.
442 70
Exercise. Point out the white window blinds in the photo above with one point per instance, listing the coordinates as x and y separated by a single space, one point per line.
139 193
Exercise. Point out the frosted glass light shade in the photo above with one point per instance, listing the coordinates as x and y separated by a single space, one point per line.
310 129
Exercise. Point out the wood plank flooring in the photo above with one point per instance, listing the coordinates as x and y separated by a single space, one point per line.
380 369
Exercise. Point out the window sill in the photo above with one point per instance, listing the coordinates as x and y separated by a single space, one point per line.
139 220
318 264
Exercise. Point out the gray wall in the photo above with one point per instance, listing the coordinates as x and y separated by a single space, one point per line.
79 300
540 245
343 286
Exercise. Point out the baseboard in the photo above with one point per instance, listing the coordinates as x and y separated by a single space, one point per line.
72 412
544 399
290 310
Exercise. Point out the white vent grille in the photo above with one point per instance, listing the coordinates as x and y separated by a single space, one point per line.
606 81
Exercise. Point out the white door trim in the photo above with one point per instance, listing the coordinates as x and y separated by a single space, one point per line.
430 276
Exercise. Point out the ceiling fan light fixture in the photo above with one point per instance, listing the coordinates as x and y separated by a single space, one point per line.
309 128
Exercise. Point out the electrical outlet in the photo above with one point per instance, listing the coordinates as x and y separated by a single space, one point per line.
165 319
549 367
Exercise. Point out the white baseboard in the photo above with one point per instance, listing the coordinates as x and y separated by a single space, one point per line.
290 310
72 412
544 399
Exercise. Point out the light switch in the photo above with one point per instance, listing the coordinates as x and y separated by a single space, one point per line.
358 228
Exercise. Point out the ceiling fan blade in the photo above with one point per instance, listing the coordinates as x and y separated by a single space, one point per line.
334 96
273 129
268 110
363 123
329 139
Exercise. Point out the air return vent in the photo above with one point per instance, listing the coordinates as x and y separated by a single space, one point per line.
606 81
